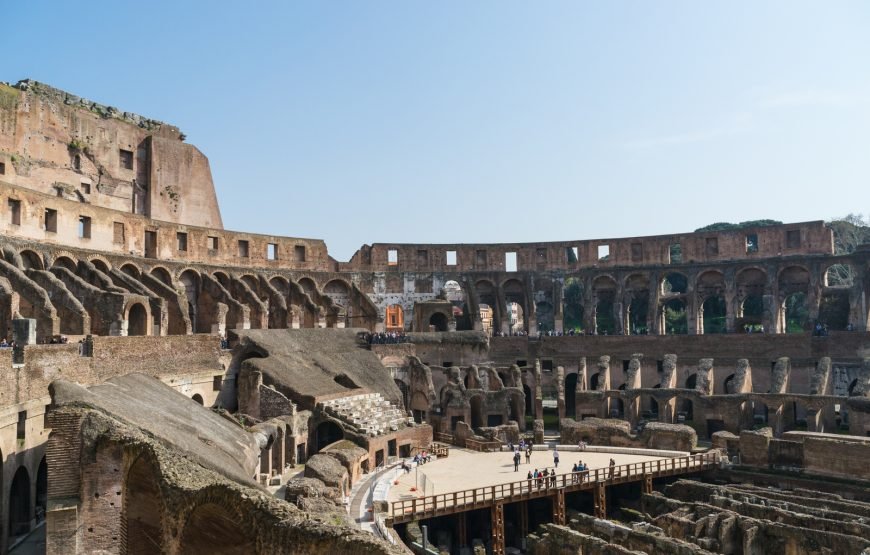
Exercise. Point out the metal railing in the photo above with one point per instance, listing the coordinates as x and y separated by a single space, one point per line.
464 500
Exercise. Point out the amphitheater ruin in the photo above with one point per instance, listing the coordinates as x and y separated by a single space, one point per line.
174 387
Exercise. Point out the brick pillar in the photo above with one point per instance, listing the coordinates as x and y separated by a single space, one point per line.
647 483
599 498
559 507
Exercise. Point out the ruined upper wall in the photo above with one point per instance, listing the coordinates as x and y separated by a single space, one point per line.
60 144
805 238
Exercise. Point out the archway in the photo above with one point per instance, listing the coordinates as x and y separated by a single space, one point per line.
327 432
477 416
675 283
637 314
223 279
515 317
41 489
65 262
31 260
545 316
515 300
571 395
751 315
795 313
130 270
453 293
572 308
674 318
730 385
100 265
197 398
137 320
604 291
142 509
162 275
486 298
834 310
438 322
19 503
527 394
713 315
213 529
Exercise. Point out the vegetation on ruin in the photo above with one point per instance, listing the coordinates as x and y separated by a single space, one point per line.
8 97
727 226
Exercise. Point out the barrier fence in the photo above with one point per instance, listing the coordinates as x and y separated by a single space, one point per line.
464 500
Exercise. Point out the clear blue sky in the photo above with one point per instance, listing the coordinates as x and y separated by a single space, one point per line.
361 122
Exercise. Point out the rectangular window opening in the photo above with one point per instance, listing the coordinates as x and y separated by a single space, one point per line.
272 251
510 262
125 158
86 188
151 244
793 238
299 250
21 428
217 382
451 258
480 259
637 252
572 255
243 248
547 365
2 168
712 246
50 220
392 257
181 241
676 253
751 243
212 243
15 212
84 227
422 258
603 252
541 255
118 233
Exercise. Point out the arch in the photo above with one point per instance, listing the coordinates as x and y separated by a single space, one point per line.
674 283
839 275
336 287
394 318
834 309
452 292
438 321
515 316
545 316
478 418
851 391
711 282
638 309
191 280
654 403
100 265
730 385
41 489
572 304
674 317
222 278
527 394
571 395
31 260
751 312
142 508
515 304
214 529
197 398
65 262
162 274
713 315
593 381
131 270
251 282
795 313
692 381
487 301
327 432
281 284
137 320
793 279
604 289
19 503
308 286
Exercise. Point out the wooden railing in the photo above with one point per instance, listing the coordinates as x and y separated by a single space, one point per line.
440 450
482 446
443 438
466 500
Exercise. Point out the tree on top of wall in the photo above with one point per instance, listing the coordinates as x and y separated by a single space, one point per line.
849 232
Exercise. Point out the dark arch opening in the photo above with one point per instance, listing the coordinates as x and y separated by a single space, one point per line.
852 386
570 395
593 381
130 270
327 432
730 384
213 529
527 393
142 509
572 309
162 275
674 316
637 314
605 323
65 262
137 320
31 260
197 398
654 404
19 503
692 381
713 311
41 489
834 310
438 321
796 313
100 265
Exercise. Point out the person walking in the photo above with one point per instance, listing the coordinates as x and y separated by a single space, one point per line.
516 461
529 454
555 458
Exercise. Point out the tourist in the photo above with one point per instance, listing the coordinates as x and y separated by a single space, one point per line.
553 477
574 470
612 467
528 454
516 461
406 467
539 478
555 457
4 344
529 479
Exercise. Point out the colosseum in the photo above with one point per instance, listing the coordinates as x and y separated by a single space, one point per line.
175 387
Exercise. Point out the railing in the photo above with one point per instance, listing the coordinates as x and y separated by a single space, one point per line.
443 438
440 450
459 501
482 446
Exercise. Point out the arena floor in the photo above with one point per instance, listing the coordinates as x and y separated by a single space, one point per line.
465 469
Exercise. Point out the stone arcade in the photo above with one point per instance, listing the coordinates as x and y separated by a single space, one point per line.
130 427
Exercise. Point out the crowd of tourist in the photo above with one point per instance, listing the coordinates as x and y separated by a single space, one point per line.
387 338
6 344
